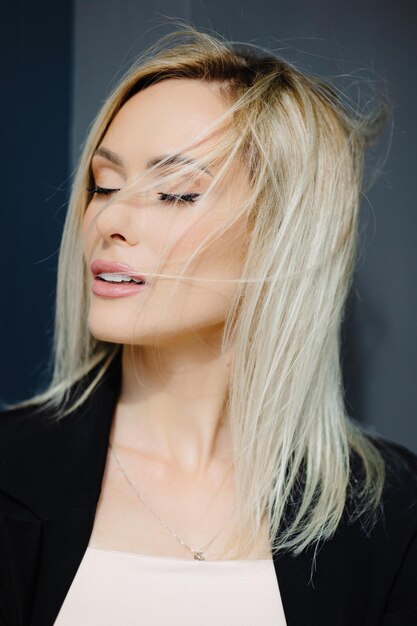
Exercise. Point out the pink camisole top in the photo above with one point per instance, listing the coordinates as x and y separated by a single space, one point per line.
113 587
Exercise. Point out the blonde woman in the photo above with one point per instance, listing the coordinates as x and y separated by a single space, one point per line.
192 461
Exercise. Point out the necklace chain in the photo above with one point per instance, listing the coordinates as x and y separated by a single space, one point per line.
198 554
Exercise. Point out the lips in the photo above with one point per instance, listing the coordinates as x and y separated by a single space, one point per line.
100 265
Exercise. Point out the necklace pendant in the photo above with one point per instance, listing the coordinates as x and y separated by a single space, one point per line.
199 556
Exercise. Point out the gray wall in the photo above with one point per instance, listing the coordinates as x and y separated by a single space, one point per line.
361 38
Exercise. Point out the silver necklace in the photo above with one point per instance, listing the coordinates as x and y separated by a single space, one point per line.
198 554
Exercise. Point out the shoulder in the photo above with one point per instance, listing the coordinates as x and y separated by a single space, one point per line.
12 420
398 505
52 456
37 458
37 420
400 471
394 451
382 533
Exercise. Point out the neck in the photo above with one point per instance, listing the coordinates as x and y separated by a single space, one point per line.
171 402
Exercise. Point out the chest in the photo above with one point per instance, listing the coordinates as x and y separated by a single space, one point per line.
148 511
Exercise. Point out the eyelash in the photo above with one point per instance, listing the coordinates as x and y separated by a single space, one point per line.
165 197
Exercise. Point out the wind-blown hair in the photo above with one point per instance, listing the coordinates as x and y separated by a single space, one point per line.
303 150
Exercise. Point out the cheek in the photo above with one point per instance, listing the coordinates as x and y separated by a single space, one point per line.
220 257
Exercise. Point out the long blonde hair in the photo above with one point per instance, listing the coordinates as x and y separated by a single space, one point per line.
303 149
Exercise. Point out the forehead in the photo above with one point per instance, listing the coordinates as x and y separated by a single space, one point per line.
163 117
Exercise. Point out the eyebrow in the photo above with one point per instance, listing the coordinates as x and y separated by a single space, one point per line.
172 159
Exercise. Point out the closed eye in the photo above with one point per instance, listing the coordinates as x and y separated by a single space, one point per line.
186 197
101 191
165 197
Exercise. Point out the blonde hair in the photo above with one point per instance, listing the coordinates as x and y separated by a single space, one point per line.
303 150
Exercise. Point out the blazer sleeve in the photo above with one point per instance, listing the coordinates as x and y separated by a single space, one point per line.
401 607
20 537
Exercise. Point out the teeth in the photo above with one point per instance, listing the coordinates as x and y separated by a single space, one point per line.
118 278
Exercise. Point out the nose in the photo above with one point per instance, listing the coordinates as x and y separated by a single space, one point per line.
116 222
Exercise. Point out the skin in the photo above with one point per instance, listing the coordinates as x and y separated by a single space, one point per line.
167 429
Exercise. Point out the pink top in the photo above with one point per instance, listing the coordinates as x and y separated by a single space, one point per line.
113 587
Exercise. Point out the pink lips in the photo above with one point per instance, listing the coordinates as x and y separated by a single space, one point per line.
112 289
98 266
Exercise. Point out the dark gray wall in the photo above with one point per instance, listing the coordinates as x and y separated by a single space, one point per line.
36 71
347 43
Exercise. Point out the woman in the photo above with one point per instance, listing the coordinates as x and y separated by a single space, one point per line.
192 461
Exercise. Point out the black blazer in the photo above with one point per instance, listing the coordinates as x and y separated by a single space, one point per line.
50 482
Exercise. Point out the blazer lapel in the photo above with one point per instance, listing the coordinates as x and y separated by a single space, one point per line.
333 595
